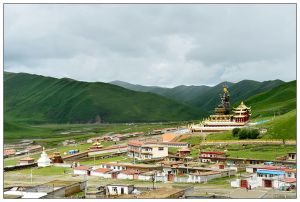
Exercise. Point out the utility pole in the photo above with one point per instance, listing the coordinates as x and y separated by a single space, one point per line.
31 176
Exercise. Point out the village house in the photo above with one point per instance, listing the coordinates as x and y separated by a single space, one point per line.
128 174
82 170
102 172
94 139
119 189
199 177
292 156
129 166
268 177
143 151
207 156
9 152
171 144
69 143
26 161
183 152
34 148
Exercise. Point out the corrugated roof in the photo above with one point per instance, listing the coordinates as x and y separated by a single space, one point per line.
81 168
102 170
274 172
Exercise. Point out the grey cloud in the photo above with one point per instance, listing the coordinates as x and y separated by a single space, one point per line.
164 45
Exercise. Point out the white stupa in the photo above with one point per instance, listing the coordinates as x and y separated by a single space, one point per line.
44 160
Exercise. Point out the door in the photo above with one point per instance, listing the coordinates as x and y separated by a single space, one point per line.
268 183
122 190
244 183
170 177
114 175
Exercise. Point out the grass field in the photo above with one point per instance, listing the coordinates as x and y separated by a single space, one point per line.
123 158
52 170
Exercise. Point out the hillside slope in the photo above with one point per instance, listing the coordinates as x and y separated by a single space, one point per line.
279 100
206 97
38 99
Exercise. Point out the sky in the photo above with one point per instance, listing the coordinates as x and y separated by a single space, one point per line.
150 44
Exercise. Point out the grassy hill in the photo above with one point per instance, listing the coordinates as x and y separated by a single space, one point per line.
276 101
38 99
206 97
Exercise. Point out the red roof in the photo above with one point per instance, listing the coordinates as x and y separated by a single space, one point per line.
289 180
130 172
81 168
34 147
102 170
135 143
9 151
213 152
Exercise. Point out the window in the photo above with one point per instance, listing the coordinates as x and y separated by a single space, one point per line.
115 190
160 148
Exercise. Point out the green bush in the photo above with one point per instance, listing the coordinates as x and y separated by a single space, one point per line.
235 132
247 133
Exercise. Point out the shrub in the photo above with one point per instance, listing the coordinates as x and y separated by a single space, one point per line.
248 134
235 132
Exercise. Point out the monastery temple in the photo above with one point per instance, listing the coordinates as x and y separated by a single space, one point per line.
222 120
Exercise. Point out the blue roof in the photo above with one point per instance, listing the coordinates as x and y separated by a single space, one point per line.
274 172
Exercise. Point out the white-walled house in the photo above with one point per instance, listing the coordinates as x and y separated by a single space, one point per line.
128 175
268 177
203 177
119 189
81 170
143 151
205 156
102 172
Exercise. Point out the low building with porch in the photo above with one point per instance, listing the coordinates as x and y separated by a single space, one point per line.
102 172
26 161
208 156
119 189
82 170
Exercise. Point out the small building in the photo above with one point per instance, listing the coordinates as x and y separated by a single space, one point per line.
292 156
26 161
143 151
56 158
82 170
102 172
129 174
183 152
199 177
9 152
34 148
119 189
50 190
69 143
95 146
206 156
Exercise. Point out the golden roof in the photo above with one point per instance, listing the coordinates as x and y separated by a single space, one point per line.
242 106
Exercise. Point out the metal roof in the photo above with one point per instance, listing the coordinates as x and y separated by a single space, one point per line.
274 172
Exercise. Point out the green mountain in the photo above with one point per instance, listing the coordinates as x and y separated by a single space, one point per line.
276 101
206 97
38 99
282 127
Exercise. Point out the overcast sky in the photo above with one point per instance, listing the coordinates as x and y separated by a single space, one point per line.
164 45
